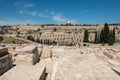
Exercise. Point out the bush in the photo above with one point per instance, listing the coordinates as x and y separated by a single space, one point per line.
1 38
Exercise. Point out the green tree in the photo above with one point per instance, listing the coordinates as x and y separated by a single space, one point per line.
86 36
113 35
1 38
13 42
30 38
18 33
54 29
111 40
38 40
102 36
96 40
106 33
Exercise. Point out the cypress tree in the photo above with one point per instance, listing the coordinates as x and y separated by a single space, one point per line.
106 33
86 36
111 40
113 34
96 38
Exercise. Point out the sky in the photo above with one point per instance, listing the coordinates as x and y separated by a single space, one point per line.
59 11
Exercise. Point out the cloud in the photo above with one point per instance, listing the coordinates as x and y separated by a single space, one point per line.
12 21
23 5
34 13
42 15
28 5
47 14
85 11
52 12
21 12
59 18
73 21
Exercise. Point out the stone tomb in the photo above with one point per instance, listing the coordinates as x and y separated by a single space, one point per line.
27 55
5 60
25 72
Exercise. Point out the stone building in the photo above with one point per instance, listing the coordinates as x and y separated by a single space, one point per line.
5 60
64 34
61 37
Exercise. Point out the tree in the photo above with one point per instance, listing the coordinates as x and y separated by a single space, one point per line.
111 40
54 29
106 33
18 33
96 40
1 38
13 42
38 29
38 40
102 36
113 35
86 36
30 38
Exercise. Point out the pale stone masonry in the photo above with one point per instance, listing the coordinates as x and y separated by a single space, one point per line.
5 60
61 37
82 67
25 72
27 55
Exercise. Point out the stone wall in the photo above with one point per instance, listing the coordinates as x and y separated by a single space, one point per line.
5 60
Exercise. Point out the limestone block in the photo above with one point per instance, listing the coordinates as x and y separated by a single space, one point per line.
46 53
27 55
25 72
5 60
56 52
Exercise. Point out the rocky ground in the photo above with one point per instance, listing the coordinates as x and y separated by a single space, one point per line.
79 63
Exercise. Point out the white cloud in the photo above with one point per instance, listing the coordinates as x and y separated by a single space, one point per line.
28 5
32 13
42 15
85 11
73 21
52 12
12 21
52 15
59 18
22 5
21 12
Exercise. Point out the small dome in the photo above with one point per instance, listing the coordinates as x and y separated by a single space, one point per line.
68 22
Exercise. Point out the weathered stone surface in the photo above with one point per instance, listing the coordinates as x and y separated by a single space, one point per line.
85 67
27 55
47 52
5 60
25 72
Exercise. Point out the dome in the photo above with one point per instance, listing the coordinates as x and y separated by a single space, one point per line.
68 22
